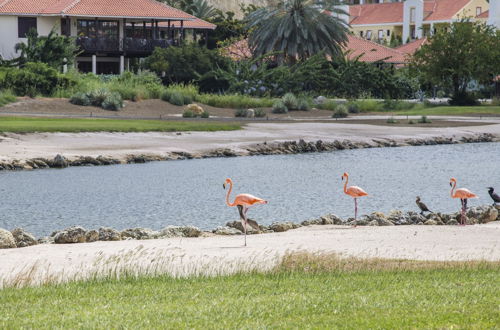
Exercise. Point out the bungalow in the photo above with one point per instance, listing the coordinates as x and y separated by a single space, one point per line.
109 33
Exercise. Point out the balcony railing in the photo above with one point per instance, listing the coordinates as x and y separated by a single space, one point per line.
129 45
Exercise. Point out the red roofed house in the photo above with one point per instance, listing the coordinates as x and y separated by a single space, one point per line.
109 33
411 19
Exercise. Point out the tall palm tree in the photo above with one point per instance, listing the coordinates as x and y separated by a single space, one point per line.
199 8
298 29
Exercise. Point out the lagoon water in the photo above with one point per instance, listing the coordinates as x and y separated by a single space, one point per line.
298 187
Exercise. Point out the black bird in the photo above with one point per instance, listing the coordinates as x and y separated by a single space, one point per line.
422 206
493 195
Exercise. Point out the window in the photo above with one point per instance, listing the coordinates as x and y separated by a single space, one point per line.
380 34
94 29
369 34
412 15
361 34
24 24
388 33
479 11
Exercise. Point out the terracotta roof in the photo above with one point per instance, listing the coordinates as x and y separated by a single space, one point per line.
372 52
484 14
443 10
197 23
367 51
411 47
94 8
376 13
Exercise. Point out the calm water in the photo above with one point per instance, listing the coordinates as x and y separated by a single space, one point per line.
298 187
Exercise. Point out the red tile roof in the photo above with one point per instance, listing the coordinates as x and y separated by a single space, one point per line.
411 47
376 13
367 51
443 10
484 14
94 8
197 23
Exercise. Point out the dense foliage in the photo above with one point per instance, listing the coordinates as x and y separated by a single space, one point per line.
469 52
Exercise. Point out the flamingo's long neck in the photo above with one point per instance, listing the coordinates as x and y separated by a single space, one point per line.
345 184
453 188
228 193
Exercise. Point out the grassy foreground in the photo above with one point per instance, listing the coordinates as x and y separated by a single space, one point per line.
31 125
451 111
303 292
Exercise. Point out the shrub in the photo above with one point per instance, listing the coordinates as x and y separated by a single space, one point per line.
235 101
6 97
205 114
495 101
80 98
411 122
340 112
304 104
188 114
390 104
352 107
113 101
424 120
464 99
240 113
328 105
290 101
177 99
279 107
368 105
391 120
98 96
260 113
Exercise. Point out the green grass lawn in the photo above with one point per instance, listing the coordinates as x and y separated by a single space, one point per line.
300 296
451 111
30 125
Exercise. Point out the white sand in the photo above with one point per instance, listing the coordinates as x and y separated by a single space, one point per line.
119 145
219 254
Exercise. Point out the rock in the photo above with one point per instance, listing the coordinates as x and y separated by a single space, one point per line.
312 222
109 234
282 226
71 235
250 113
7 240
195 108
139 233
452 222
381 219
92 236
252 228
180 231
60 162
23 238
46 240
331 219
372 223
430 223
227 231
483 214
319 100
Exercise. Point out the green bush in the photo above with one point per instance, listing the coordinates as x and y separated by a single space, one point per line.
391 120
352 107
304 104
234 101
260 113
113 101
188 114
240 113
205 114
279 107
98 96
424 120
177 99
397 105
290 101
411 122
328 105
340 112
6 97
367 105
81 98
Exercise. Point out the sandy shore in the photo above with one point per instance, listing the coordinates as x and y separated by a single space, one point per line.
221 254
120 145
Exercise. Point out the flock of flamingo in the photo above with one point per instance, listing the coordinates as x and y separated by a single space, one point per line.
244 201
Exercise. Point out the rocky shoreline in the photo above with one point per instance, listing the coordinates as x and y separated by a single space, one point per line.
272 148
18 237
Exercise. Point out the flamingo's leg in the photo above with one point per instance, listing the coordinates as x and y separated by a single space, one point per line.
355 212
243 211
462 220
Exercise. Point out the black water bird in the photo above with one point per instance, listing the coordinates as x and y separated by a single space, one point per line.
422 206
493 195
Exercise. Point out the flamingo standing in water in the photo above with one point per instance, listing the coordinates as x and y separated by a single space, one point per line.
354 192
463 194
243 202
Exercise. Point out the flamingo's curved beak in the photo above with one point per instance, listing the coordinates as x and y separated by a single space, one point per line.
224 185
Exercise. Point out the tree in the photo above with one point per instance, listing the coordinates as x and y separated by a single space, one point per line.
468 52
199 8
298 29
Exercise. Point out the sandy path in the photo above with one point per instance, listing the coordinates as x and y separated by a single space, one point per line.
221 254
119 145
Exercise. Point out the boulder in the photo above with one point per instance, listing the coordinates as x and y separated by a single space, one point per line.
60 162
7 240
312 222
109 234
252 228
250 113
282 226
452 222
23 238
319 100
227 231
71 235
381 219
92 236
180 231
430 223
483 214
331 219
139 233
46 240
195 108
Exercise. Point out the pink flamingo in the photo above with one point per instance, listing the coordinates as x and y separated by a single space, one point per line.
463 194
243 202
354 192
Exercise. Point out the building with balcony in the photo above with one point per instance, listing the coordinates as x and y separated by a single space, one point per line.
109 33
